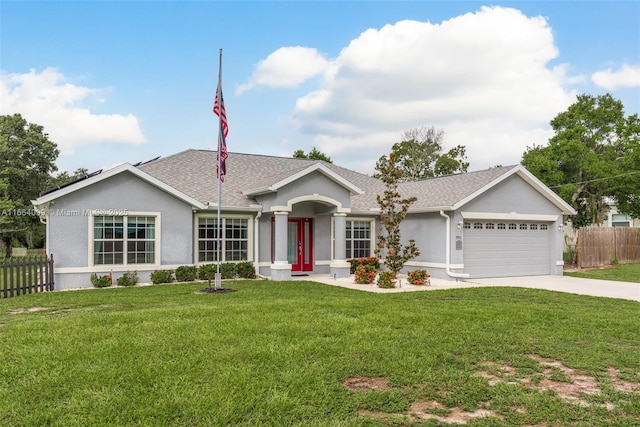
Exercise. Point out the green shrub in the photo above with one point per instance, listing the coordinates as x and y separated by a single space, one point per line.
228 270
186 273
162 276
130 278
207 271
386 280
246 270
100 281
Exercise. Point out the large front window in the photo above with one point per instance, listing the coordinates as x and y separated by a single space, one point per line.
112 246
358 239
234 244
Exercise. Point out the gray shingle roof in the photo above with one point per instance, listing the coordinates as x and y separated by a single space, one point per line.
193 173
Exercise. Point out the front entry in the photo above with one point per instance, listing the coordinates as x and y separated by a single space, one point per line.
300 244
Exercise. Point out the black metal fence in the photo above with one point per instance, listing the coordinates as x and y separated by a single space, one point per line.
26 275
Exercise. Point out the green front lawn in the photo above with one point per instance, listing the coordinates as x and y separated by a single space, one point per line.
304 353
620 272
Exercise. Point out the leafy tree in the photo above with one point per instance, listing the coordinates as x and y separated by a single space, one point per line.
393 210
626 186
593 156
419 155
64 177
314 154
453 161
27 158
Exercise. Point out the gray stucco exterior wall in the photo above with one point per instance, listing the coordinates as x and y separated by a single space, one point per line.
69 233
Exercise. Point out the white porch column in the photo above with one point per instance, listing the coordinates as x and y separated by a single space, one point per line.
280 269
339 265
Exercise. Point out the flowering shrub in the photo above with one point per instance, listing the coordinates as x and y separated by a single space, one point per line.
387 279
100 281
365 275
418 277
130 278
371 261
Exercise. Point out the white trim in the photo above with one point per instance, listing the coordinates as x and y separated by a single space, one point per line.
509 216
125 167
371 220
309 198
322 262
559 263
434 265
313 168
196 236
340 264
280 265
531 180
115 268
126 214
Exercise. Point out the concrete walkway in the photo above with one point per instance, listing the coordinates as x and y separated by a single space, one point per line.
574 285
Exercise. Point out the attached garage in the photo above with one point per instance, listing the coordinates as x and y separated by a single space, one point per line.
506 248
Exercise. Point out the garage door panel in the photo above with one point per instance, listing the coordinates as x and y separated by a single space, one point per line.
516 249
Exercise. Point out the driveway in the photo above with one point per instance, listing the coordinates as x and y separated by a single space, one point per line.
573 285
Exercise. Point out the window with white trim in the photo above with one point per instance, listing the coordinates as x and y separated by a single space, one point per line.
544 226
467 226
477 225
621 220
523 226
513 226
489 226
501 226
112 246
533 227
234 244
359 238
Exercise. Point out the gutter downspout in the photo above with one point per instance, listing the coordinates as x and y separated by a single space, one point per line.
448 251
256 243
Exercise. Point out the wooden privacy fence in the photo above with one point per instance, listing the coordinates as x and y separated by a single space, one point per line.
600 246
26 275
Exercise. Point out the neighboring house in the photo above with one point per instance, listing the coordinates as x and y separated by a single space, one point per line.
295 216
616 219
613 219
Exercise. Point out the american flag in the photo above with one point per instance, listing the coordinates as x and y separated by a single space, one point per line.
219 110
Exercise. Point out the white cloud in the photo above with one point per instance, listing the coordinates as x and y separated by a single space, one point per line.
47 99
484 77
286 67
627 76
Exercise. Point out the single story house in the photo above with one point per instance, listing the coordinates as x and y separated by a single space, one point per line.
295 216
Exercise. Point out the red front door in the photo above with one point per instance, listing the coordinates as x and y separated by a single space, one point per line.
300 244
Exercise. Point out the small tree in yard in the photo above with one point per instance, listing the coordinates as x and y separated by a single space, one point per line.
393 209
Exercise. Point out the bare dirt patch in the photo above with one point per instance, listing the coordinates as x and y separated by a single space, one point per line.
26 310
620 384
572 386
567 383
419 411
366 383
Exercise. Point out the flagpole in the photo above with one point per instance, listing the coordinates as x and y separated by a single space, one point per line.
219 169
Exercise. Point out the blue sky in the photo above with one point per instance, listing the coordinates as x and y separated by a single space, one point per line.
116 82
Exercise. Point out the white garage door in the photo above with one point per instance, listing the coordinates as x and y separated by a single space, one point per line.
501 249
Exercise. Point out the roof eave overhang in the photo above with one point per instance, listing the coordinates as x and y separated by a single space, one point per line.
125 167
319 167
431 209
531 180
